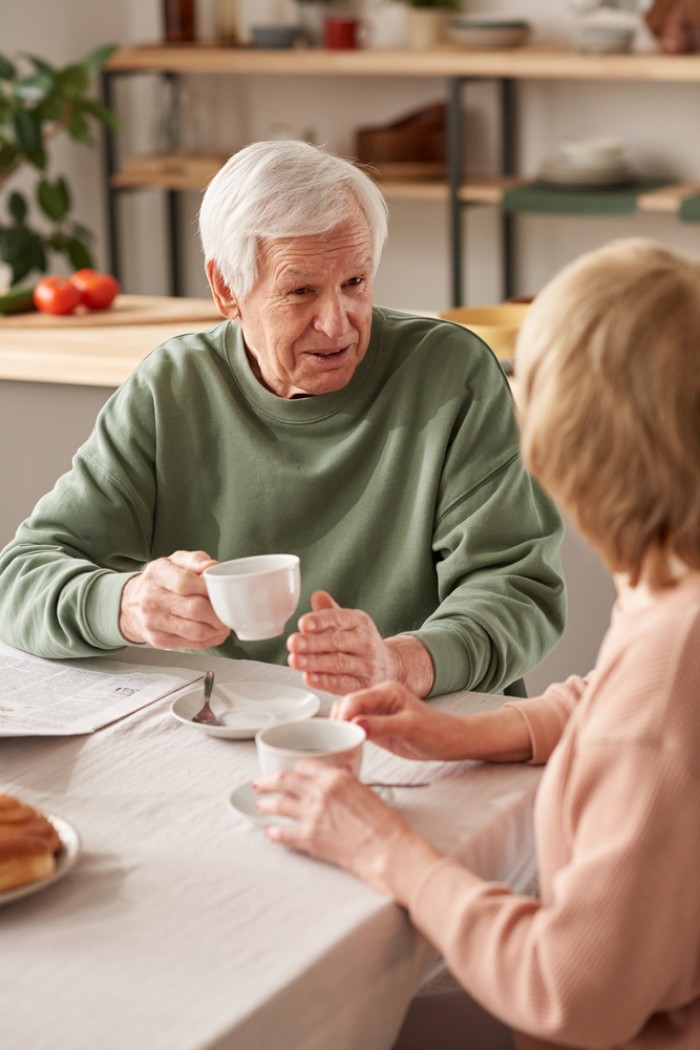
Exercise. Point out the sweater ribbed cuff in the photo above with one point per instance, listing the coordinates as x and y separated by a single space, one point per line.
102 606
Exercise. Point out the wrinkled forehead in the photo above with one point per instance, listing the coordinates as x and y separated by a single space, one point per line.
345 246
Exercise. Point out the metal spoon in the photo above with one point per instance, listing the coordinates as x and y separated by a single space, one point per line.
205 715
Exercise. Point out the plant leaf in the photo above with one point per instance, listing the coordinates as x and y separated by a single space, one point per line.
97 58
34 88
40 64
8 156
74 80
79 254
23 249
79 129
7 70
27 132
51 109
101 113
54 198
17 206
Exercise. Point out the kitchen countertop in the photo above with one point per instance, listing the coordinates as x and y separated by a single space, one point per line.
99 348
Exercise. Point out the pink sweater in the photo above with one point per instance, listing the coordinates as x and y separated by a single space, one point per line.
609 956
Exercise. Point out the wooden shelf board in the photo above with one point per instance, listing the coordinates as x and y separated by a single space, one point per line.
667 198
488 189
483 189
520 63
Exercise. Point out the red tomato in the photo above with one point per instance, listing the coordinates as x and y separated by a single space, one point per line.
97 290
56 295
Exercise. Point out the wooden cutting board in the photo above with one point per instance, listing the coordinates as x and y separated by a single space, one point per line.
126 310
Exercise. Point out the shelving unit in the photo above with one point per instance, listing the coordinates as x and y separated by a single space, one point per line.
173 173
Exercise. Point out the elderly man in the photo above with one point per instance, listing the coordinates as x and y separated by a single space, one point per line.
379 447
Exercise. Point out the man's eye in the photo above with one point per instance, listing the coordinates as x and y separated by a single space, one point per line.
301 291
355 281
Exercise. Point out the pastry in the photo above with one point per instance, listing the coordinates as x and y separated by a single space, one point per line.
37 827
13 810
28 843
24 858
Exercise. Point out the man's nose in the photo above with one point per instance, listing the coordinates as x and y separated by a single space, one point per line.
331 317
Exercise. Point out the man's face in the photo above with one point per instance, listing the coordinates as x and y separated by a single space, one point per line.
306 322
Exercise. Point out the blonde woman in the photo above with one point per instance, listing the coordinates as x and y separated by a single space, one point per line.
608 955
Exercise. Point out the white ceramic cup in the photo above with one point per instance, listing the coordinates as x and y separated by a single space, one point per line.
255 596
282 745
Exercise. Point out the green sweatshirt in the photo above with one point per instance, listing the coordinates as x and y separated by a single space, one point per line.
403 495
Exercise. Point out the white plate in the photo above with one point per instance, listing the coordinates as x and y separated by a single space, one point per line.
243 800
65 860
575 175
245 707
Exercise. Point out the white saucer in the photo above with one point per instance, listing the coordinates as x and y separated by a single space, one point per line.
245 707
243 800
66 859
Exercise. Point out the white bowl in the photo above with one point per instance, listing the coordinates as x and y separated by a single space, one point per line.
606 40
476 33
595 152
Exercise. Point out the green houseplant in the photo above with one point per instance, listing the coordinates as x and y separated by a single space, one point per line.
38 103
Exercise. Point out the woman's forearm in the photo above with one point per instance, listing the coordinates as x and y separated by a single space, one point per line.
491 736
497 736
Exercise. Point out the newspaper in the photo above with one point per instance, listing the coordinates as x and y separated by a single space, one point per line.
72 697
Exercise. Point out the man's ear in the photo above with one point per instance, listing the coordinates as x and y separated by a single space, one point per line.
226 301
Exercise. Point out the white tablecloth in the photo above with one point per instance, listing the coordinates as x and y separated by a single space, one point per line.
182 927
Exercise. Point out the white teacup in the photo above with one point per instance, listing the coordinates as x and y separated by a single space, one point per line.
255 596
282 745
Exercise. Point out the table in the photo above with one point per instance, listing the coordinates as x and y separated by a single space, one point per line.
182 927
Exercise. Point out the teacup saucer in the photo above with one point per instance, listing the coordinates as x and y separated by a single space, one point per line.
245 707
243 799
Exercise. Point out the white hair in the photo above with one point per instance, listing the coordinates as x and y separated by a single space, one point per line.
270 190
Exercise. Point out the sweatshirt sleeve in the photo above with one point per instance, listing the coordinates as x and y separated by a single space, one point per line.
625 909
64 572
502 598
496 542
545 716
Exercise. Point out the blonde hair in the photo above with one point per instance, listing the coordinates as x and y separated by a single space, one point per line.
608 365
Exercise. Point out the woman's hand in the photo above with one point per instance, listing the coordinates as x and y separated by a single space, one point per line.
338 819
167 605
397 720
339 650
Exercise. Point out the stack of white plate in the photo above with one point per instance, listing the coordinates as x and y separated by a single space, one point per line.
588 162
479 32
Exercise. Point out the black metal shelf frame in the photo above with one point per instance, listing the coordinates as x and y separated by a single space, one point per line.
456 164
456 156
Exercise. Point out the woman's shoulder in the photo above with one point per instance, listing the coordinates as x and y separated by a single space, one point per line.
647 682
